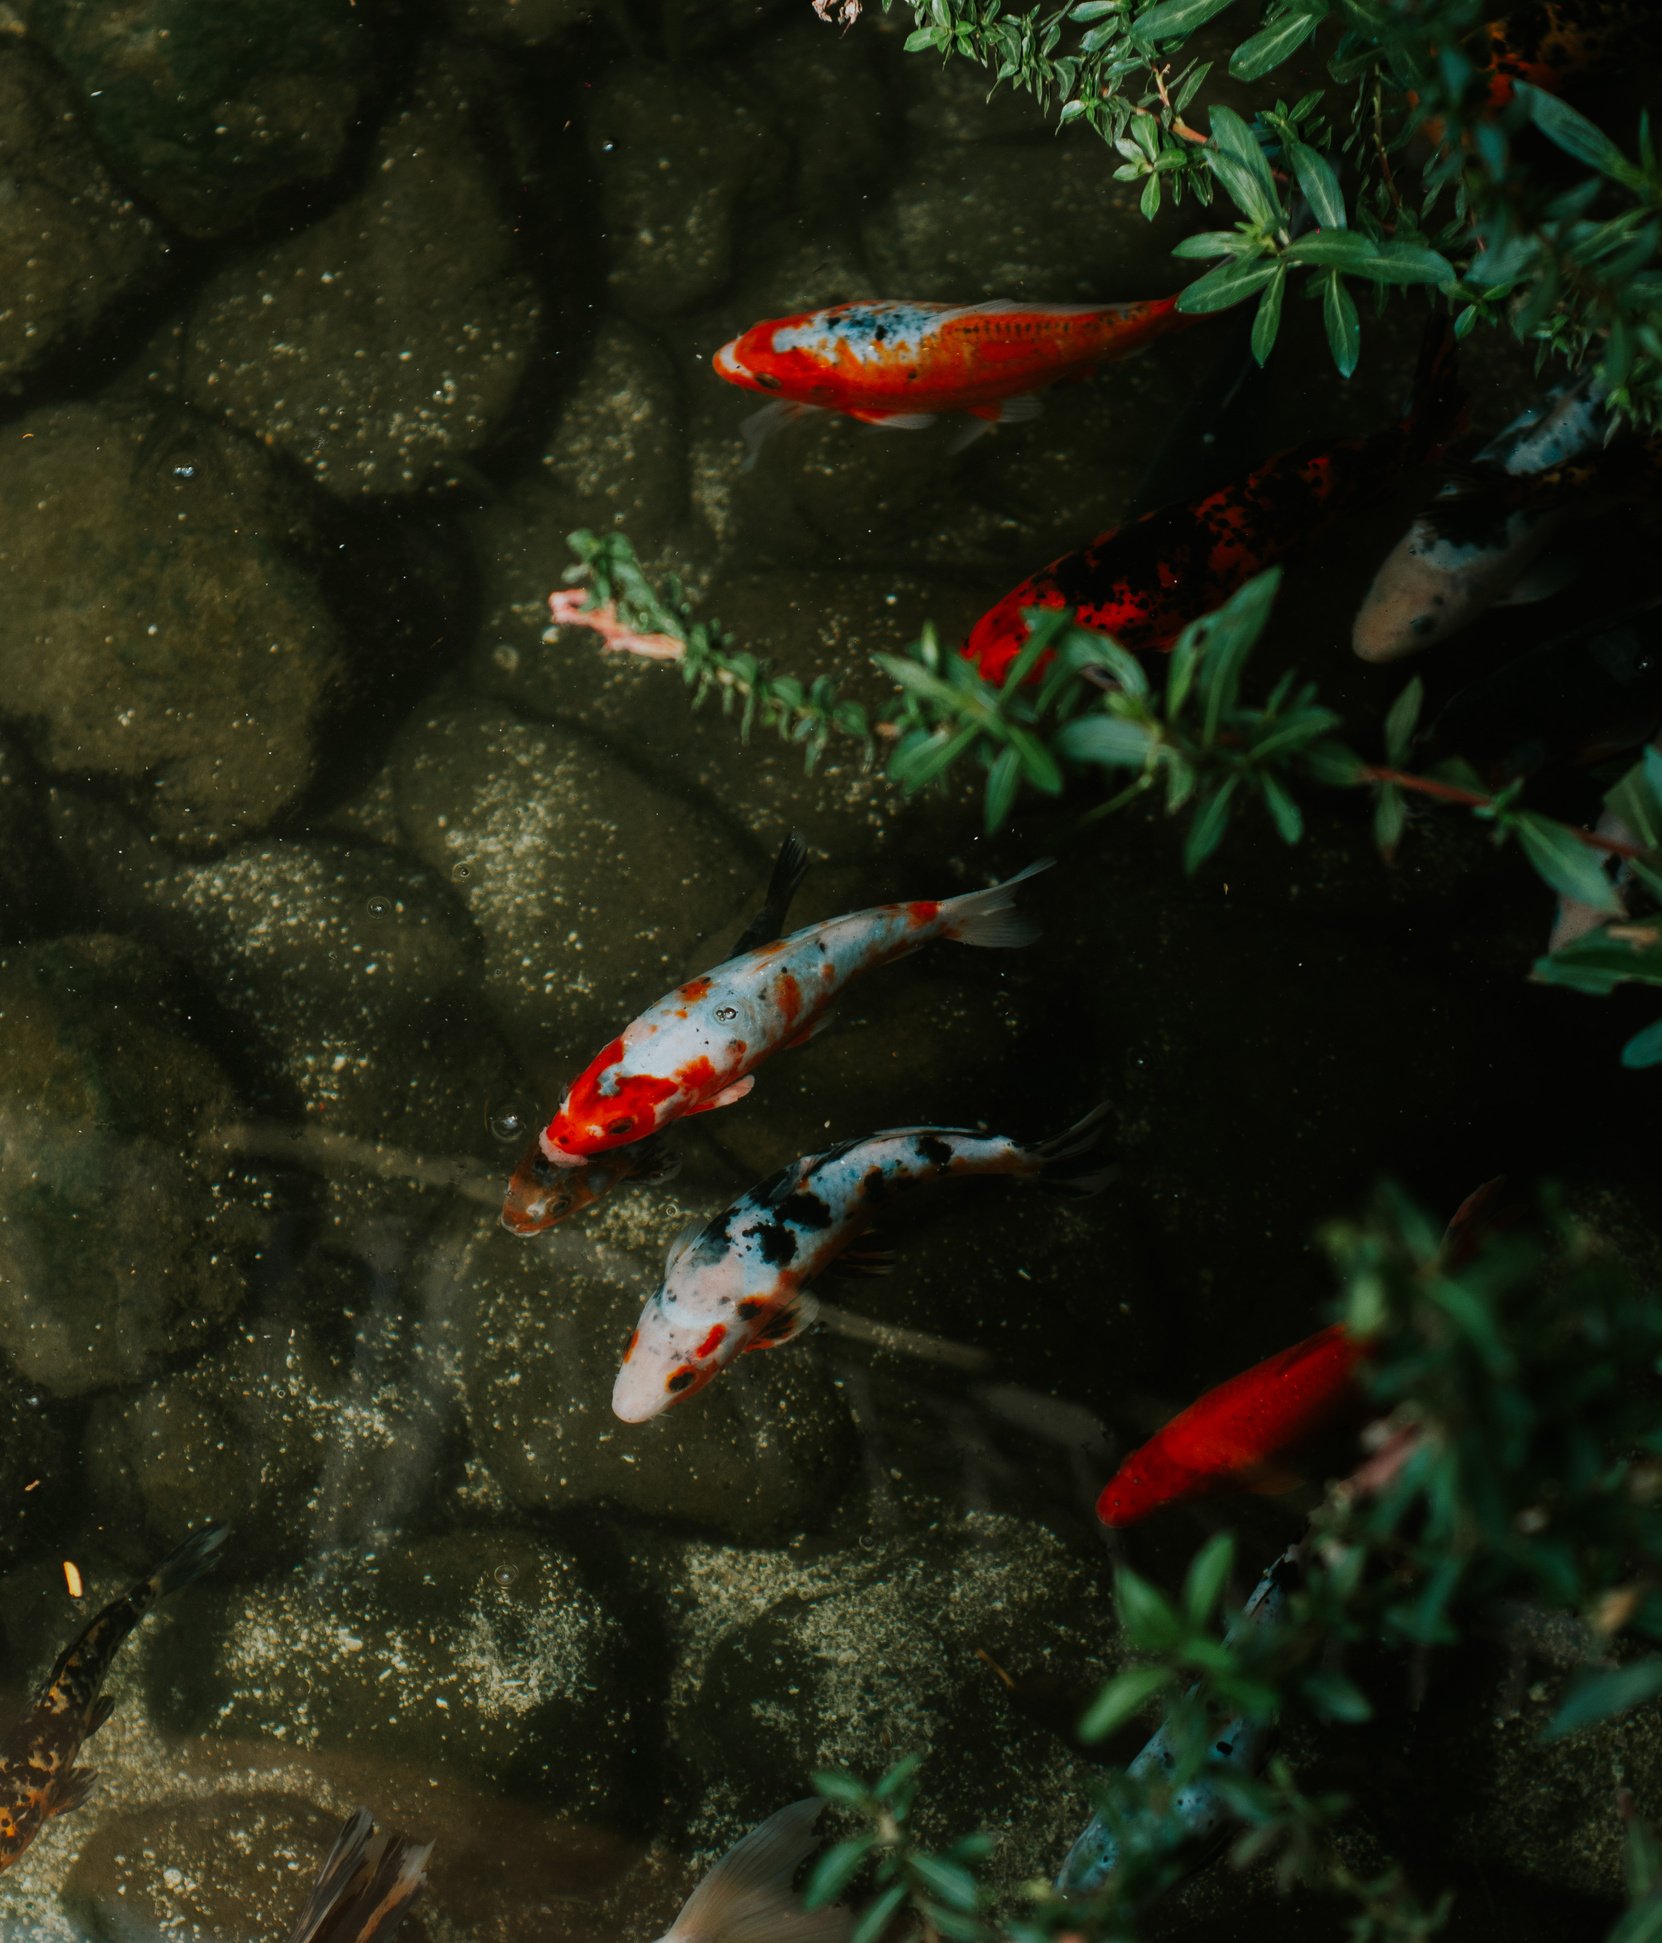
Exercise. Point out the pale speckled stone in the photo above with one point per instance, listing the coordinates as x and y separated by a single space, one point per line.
385 343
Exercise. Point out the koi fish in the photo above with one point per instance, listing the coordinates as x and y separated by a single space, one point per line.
1580 697
1475 544
740 1281
899 364
1231 1437
1144 582
38 1776
747 1898
541 1193
1199 1811
1552 42
698 1047
365 1887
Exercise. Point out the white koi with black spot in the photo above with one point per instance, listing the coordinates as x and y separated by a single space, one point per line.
740 1282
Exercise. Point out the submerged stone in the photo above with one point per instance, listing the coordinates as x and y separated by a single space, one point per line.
116 1253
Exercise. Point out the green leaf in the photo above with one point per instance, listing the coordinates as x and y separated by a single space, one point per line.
1379 261
1284 812
1320 183
951 1881
1230 283
915 764
1335 1697
1038 765
1344 330
835 1870
1003 781
1565 863
840 1787
1171 18
1644 1048
1148 1618
1207 830
879 1914
1268 320
1148 203
1215 242
1402 720
894 1782
1640 1925
1089 10
1390 814
1593 1697
1126 1694
1571 131
1105 739
1268 49
1204 1580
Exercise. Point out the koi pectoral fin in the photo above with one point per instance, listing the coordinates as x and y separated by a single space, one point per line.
760 426
863 1260
728 1096
896 421
72 1790
787 1324
1272 1480
809 1032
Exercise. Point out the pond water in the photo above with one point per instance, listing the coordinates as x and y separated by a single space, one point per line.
322 872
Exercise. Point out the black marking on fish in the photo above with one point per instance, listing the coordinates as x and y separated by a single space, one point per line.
934 1151
775 1242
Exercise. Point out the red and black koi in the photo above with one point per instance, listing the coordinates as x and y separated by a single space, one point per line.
1143 583
38 1775
698 1047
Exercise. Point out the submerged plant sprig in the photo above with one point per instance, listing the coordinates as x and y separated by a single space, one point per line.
655 620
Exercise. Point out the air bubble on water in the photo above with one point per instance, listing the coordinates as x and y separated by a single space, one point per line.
460 873
506 1122
505 1575
380 907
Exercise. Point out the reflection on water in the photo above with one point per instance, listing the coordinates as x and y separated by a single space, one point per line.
321 874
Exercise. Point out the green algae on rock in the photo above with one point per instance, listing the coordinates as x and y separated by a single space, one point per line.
210 111
385 343
116 1252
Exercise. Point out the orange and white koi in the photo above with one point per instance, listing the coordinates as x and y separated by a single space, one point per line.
741 1281
540 1192
1144 582
900 364
747 1896
38 1775
1236 1437
698 1047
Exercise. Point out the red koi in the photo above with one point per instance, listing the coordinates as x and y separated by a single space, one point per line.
898 364
1143 583
1232 1437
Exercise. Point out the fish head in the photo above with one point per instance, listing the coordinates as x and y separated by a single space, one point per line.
542 1191
780 357
700 1317
606 1107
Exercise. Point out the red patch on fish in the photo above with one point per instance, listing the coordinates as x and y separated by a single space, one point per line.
788 996
695 988
590 1121
1234 1436
629 1347
711 1343
925 911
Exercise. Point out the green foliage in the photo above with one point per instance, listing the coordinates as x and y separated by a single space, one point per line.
1516 1465
1568 262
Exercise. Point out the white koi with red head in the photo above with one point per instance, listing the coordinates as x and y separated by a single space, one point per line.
740 1282
698 1047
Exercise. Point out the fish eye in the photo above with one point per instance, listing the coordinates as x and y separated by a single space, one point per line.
679 1381
726 1012
766 380
621 1126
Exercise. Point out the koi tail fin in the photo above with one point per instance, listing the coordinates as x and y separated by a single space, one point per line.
187 1562
364 1888
1058 1163
1437 406
990 917
747 1898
